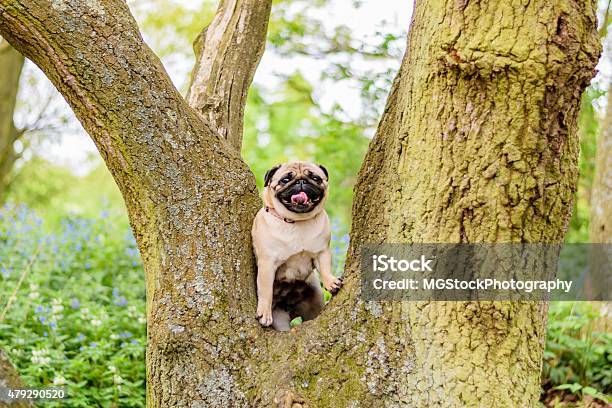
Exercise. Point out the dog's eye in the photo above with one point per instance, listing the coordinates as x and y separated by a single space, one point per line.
316 178
285 180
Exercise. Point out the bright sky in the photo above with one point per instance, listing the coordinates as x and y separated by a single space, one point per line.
74 149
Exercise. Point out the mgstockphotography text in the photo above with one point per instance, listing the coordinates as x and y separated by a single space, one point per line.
486 272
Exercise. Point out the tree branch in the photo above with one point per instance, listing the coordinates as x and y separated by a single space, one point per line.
11 64
227 54
180 180
94 54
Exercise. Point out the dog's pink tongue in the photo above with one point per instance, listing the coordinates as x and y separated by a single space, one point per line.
300 198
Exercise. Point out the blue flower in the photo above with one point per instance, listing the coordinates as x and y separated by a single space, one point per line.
121 301
116 292
53 325
42 319
88 265
93 344
39 309
75 303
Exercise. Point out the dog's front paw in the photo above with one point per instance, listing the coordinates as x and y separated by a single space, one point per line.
264 315
332 284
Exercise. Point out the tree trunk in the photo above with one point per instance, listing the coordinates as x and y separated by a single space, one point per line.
601 195
11 63
9 379
477 144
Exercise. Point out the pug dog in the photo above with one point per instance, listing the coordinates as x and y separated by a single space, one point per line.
291 237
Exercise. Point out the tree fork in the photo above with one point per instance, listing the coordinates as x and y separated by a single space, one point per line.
490 157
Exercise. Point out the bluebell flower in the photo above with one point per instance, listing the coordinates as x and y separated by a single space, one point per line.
126 334
87 265
115 292
42 319
104 214
39 309
80 337
53 325
75 303
121 301
134 341
93 344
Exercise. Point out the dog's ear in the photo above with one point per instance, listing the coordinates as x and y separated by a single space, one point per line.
324 171
269 175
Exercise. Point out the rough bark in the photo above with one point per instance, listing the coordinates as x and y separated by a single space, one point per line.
227 54
9 379
11 64
601 195
477 138
189 196
478 144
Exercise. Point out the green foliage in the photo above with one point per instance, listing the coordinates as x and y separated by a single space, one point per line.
44 186
581 391
74 299
578 355
39 182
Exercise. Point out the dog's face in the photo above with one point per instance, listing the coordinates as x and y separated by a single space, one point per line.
296 190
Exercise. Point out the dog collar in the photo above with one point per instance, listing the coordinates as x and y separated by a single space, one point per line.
277 215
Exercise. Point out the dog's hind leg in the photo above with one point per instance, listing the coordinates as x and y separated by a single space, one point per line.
312 304
280 319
